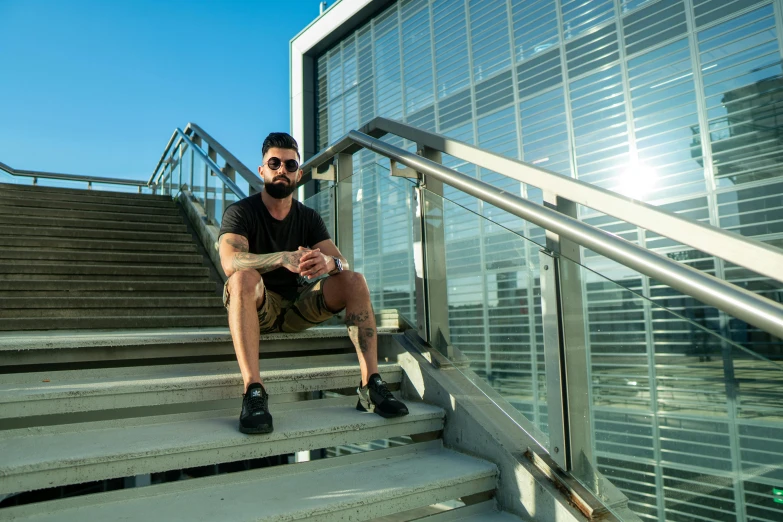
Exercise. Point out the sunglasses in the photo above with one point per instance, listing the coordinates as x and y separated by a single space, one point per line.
275 163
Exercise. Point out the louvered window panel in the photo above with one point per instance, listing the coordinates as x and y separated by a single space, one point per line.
762 462
630 5
600 133
744 97
497 133
364 72
534 26
417 56
652 25
423 119
451 46
388 73
322 97
545 132
666 123
715 500
494 93
581 15
592 52
707 11
637 481
539 73
489 38
455 111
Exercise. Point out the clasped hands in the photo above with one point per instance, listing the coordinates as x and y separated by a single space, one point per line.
309 263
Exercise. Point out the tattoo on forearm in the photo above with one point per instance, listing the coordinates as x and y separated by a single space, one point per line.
261 262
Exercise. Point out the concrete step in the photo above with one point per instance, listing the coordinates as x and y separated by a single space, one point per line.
92 257
91 215
357 487
483 511
96 313
30 203
69 454
63 392
31 190
105 244
51 221
187 341
35 268
75 323
56 288
87 304
92 233
86 196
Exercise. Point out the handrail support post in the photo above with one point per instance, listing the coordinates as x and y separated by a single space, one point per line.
571 360
432 309
343 206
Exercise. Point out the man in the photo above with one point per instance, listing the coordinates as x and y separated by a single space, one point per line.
272 248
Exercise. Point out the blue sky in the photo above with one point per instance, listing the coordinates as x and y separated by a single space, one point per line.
96 87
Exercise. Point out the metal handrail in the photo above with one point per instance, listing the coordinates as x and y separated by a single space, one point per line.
730 246
71 177
192 129
228 182
738 302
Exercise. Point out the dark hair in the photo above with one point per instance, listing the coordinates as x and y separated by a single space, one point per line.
280 140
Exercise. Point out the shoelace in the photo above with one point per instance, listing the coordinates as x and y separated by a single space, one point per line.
382 390
254 403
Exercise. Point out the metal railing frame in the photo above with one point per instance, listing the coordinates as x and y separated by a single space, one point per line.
189 138
730 246
71 177
570 432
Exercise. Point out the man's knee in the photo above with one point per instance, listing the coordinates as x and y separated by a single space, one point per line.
353 281
245 282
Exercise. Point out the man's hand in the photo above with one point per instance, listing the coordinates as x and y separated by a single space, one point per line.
293 260
314 264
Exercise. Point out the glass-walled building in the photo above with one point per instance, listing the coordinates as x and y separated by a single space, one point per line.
671 102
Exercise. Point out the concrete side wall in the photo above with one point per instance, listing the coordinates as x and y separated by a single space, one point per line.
208 234
476 426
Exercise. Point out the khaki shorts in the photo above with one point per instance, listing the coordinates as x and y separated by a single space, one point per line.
282 315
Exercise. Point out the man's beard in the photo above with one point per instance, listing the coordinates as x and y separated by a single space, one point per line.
279 190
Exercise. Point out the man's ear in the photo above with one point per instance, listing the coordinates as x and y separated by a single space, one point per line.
261 171
299 176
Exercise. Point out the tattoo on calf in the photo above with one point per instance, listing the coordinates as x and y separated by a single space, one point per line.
354 319
360 337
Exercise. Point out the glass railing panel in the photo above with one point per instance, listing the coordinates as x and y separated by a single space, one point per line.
684 422
383 235
5 177
44 182
494 310
128 189
199 178
186 169
214 198
323 203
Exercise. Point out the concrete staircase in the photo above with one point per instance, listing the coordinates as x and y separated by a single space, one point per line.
76 259
62 427
97 399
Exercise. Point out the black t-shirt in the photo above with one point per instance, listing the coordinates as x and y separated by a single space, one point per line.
266 235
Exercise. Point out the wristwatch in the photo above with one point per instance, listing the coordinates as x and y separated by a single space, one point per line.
338 265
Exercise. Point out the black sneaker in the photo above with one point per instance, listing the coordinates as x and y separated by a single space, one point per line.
376 397
255 417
